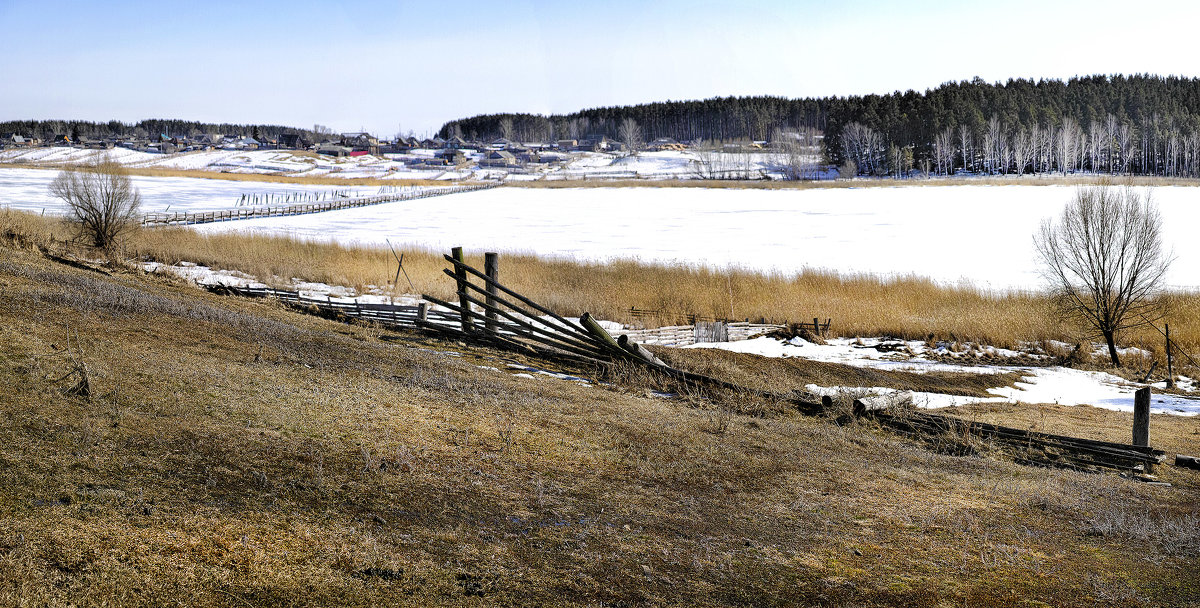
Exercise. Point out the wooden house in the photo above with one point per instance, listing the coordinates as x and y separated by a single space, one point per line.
499 158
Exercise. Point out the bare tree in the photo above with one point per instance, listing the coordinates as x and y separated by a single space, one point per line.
630 134
506 128
943 151
1067 141
1022 150
965 141
1104 259
864 147
101 200
797 156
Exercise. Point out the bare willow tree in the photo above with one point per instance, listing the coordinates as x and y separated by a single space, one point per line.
101 200
1104 259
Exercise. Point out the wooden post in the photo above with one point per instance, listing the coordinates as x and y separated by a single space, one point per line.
1141 417
422 312
491 267
460 279
816 327
1170 363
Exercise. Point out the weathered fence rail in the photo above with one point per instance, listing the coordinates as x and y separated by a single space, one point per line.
683 335
385 314
183 218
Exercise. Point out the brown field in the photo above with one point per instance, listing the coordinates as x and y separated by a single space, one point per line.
235 453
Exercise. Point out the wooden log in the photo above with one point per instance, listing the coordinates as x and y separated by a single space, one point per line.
1187 462
602 336
639 351
491 267
879 403
1141 417
460 278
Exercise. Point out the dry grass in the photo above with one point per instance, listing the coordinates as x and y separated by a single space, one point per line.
234 453
860 305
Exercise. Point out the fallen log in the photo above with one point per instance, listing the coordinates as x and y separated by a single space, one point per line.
1187 462
879 403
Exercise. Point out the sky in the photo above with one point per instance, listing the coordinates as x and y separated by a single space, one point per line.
395 67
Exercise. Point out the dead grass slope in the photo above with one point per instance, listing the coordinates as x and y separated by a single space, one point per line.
235 453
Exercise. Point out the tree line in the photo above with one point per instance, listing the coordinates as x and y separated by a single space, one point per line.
1141 124
75 129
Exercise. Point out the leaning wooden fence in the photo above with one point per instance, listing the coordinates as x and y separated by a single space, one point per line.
182 218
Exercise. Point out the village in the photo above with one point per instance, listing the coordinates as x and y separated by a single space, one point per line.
593 156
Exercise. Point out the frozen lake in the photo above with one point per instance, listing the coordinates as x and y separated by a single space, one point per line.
975 234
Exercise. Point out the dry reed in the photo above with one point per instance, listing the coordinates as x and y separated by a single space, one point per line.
860 305
907 307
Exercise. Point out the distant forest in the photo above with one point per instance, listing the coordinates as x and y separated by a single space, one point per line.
1115 124
45 129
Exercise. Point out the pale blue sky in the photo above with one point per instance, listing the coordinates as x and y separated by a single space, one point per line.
387 66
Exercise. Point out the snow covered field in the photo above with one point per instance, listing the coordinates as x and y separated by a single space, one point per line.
576 165
29 190
975 234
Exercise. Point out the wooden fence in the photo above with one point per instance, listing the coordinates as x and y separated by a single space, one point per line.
701 331
385 314
182 218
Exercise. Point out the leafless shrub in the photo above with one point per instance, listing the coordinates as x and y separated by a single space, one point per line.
1104 259
101 200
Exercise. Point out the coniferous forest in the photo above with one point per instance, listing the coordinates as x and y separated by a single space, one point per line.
75 129
1139 124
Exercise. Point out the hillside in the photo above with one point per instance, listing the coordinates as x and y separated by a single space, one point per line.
237 453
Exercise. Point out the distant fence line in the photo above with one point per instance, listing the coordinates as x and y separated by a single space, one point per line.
242 213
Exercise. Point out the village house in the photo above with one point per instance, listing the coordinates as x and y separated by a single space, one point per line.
294 141
499 158
333 150
452 156
361 142
18 140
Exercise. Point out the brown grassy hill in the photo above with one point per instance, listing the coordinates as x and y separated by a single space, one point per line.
235 453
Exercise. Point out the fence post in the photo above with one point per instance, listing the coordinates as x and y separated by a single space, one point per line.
1170 366
422 312
816 327
460 280
491 268
1141 417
